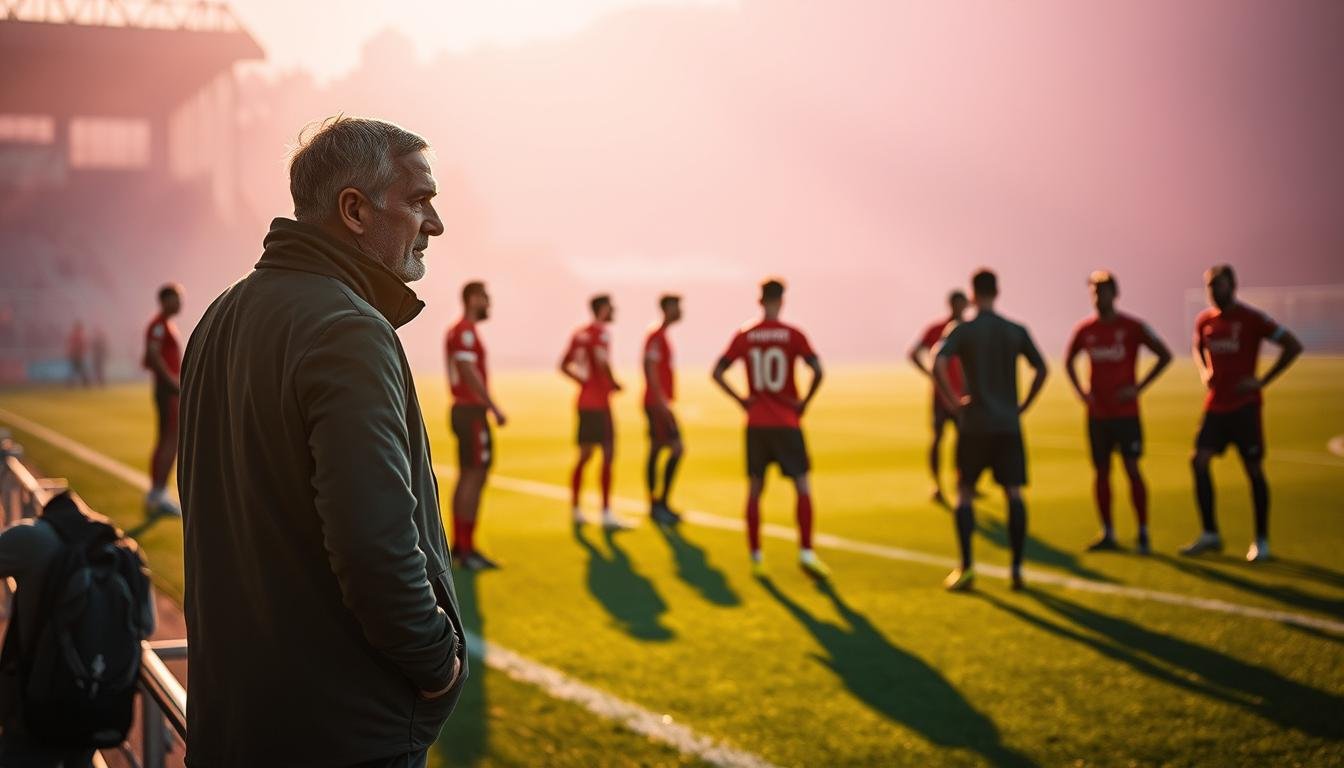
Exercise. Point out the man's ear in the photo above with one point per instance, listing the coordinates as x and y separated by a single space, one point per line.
352 207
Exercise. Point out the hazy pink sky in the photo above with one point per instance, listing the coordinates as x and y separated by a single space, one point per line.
324 38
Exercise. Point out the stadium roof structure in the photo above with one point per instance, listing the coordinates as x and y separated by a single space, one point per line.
114 57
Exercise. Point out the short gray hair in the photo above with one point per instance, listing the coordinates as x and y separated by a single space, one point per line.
342 152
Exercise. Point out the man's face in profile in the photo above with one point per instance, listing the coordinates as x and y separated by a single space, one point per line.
400 228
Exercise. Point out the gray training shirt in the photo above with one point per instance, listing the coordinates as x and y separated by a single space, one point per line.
989 346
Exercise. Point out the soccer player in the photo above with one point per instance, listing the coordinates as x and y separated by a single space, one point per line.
658 394
990 430
1226 349
76 345
942 408
163 358
771 350
1112 341
588 362
469 381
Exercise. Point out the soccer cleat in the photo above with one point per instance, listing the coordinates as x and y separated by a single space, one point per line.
938 498
612 523
1142 546
809 562
577 516
758 565
1016 581
1259 551
960 580
169 507
1207 542
664 516
1103 543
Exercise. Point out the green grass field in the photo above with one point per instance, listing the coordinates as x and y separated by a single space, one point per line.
882 667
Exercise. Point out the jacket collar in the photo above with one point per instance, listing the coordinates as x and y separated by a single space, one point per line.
305 248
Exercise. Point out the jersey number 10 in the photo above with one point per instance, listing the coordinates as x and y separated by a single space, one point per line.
769 369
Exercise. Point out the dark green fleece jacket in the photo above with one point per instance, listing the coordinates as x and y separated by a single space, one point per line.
318 596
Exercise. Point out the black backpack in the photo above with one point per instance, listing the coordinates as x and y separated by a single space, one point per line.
78 680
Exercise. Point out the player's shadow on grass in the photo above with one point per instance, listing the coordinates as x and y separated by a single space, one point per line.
1283 594
152 518
1037 551
1190 666
896 684
628 597
1303 570
465 739
694 568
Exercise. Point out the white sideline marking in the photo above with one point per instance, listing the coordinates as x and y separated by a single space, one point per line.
1336 445
559 492
634 717
552 682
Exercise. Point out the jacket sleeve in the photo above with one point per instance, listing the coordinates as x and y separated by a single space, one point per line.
351 389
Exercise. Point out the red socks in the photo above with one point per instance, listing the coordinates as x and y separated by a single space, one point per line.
754 523
463 531
805 520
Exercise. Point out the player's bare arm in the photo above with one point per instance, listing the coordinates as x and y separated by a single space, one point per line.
1202 365
567 368
1071 368
1289 349
471 376
1157 347
814 363
1037 382
719 378
944 383
916 357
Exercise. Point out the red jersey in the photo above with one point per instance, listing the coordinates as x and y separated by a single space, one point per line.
932 337
771 350
1113 354
1231 343
658 351
464 347
590 349
163 331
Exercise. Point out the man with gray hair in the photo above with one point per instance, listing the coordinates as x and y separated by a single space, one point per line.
322 625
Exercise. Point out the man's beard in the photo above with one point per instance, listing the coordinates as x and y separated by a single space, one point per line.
404 264
408 268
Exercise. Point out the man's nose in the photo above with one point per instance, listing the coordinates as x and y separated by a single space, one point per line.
433 225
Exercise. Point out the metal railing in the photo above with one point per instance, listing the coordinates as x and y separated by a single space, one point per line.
163 700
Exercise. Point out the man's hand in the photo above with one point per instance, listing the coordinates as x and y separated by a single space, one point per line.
1127 394
1248 385
616 386
431 695
746 402
1086 397
795 405
499 416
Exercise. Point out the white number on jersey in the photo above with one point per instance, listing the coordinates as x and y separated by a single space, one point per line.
769 369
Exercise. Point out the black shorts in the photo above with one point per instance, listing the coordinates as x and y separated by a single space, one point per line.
941 416
777 445
475 443
165 408
1242 428
663 427
595 427
1123 434
1001 452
